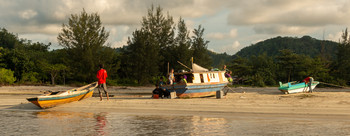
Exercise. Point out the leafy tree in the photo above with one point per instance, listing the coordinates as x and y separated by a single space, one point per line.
53 69
182 51
6 76
321 70
264 70
7 39
2 51
343 57
135 58
30 77
148 48
199 48
161 37
240 67
287 63
18 61
84 37
22 56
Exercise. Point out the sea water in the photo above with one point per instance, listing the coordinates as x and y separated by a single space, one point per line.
64 123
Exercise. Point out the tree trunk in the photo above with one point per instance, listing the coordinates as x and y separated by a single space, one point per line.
64 78
290 71
52 78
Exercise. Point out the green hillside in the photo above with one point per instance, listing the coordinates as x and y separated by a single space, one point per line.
219 59
305 45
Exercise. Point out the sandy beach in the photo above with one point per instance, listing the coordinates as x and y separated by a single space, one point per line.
324 101
326 105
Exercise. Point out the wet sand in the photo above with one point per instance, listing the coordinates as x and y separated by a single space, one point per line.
324 110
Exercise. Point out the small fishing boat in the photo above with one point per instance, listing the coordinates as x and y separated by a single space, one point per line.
295 87
52 99
200 82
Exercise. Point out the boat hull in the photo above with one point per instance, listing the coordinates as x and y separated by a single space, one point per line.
298 88
54 100
195 90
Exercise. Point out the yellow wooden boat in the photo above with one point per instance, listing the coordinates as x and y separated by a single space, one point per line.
53 99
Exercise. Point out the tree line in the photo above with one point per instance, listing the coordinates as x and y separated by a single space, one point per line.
160 42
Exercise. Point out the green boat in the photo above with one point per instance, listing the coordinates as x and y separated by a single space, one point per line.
295 87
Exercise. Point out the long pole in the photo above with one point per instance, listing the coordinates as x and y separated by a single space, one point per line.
183 65
168 69
192 61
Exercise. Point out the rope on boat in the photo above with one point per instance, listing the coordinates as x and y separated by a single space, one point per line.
228 90
334 85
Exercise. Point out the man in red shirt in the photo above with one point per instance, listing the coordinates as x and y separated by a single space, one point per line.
102 75
308 81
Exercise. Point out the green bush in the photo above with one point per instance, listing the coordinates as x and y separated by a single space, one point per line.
30 77
112 82
6 76
156 79
258 81
122 82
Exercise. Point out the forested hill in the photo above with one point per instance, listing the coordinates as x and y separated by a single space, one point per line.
305 45
219 59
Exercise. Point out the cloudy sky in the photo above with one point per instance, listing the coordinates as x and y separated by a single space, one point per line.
229 25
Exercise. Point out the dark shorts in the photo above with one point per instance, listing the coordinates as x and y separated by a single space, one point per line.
102 87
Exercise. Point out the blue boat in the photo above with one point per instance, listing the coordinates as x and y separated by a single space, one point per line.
200 83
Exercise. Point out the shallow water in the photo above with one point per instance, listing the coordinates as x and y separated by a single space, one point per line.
19 122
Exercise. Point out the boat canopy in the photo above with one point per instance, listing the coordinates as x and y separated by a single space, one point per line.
197 68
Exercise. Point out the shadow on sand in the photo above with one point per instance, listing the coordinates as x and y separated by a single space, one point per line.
24 106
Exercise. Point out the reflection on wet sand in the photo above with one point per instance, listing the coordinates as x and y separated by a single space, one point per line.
178 125
66 123
103 123
114 123
208 126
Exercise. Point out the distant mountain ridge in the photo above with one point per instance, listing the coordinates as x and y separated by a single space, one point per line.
305 45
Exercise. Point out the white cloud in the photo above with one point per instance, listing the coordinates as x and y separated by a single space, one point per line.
290 16
256 41
43 29
233 33
190 26
220 36
334 36
256 20
44 38
232 48
121 43
282 29
28 14
236 44
217 35
289 12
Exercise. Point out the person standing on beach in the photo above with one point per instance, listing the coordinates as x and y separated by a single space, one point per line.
102 76
171 77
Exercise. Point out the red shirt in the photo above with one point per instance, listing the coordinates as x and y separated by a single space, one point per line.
307 80
101 75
